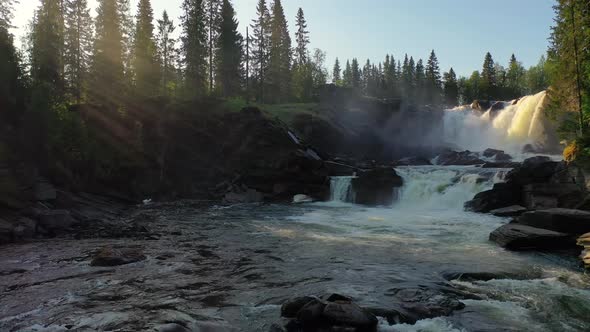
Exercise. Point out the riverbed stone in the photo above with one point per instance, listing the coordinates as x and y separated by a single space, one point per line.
509 211
348 314
413 161
522 237
454 158
559 220
290 308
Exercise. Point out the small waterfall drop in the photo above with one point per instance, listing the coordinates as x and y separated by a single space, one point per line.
510 129
444 187
341 189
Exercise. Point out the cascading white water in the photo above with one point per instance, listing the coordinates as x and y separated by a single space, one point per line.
444 187
341 189
508 129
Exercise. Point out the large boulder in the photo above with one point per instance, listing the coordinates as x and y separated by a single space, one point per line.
522 237
375 187
348 314
552 195
559 220
502 195
413 161
454 158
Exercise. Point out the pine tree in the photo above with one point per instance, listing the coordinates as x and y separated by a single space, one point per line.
194 49
366 77
356 75
108 65
78 46
229 53
515 78
336 73
279 75
451 88
260 44
347 75
489 82
167 53
145 58
390 77
420 83
302 39
433 79
48 48
11 84
213 21
127 29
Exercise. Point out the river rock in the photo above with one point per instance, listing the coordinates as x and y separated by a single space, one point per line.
510 211
348 314
454 158
559 220
413 161
290 308
489 153
522 237
56 220
113 257
311 315
417 303
375 187
502 195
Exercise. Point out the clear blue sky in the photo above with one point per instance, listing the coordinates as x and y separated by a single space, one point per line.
460 31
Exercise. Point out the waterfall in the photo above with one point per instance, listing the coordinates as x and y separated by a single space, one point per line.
444 187
510 128
341 189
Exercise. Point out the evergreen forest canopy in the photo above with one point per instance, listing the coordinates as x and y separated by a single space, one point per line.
122 63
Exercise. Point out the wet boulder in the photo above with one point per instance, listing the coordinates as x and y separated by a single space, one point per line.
290 308
559 220
415 303
376 186
523 237
489 153
538 169
454 158
502 195
348 314
510 211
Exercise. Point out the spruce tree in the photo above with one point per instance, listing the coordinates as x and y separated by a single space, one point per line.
279 75
78 46
229 53
108 58
347 75
127 29
302 39
48 48
260 42
337 73
194 47
145 58
451 88
488 77
433 79
515 78
167 53
420 83
213 21
11 85
356 75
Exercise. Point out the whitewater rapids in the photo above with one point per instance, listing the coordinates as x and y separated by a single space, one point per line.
519 123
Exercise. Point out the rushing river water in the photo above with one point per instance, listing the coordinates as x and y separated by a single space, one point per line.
230 268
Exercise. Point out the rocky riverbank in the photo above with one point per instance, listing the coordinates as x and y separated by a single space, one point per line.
547 200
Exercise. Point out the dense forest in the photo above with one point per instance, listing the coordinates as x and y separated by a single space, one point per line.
129 66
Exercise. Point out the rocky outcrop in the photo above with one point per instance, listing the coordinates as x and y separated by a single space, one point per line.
454 158
375 187
498 155
568 221
522 237
538 183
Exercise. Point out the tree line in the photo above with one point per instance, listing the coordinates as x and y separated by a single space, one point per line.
423 83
